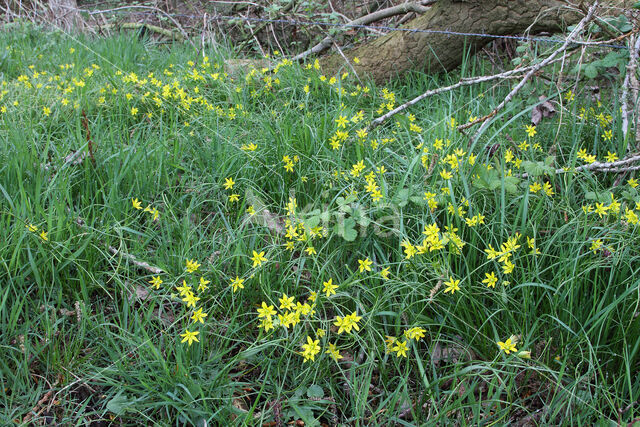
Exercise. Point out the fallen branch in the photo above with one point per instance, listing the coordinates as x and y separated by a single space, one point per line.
40 406
607 167
139 25
325 43
576 31
464 82
176 23
135 261
262 25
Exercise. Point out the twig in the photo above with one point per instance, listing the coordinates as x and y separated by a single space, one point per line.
364 20
614 167
347 62
262 25
37 410
176 23
463 82
134 260
635 86
576 31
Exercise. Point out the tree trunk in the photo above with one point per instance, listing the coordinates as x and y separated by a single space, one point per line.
401 51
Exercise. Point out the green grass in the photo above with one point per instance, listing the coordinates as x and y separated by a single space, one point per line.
119 356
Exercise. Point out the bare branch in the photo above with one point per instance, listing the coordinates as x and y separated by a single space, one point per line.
576 31
364 20
464 82
134 261
618 166
176 23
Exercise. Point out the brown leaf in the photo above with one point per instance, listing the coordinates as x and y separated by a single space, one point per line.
543 110
166 316
453 352
75 157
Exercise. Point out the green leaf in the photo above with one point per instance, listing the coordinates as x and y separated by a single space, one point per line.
417 200
402 197
118 404
537 168
590 71
316 391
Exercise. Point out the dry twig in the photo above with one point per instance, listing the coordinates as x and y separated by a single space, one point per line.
618 166
576 31
176 23
135 261
364 20
464 82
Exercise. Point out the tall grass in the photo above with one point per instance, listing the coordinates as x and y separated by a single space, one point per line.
78 317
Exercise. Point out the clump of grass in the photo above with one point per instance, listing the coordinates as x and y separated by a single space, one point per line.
290 263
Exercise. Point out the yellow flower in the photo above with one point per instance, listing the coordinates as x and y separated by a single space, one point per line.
313 295
365 265
601 209
237 283
535 187
192 265
530 130
234 197
32 228
203 284
134 111
310 250
266 311
400 348
415 333
333 352
329 288
228 183
633 183
508 267
347 323
595 245
198 316
258 258
251 210
342 121
490 280
136 203
189 336
385 273
611 157
43 235
452 285
310 349
508 346
445 174
190 299
184 289
156 281
286 303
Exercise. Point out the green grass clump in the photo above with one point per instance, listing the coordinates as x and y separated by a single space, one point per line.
173 236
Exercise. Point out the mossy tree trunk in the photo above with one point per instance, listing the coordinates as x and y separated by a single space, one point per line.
401 51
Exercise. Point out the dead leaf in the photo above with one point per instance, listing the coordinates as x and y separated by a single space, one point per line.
451 352
543 110
75 157
139 293
166 316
